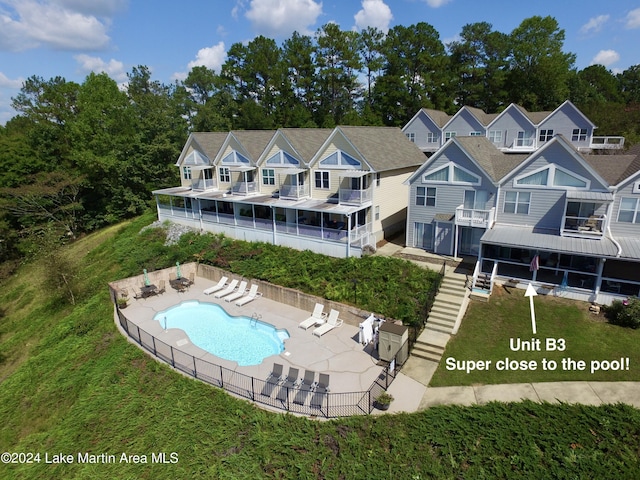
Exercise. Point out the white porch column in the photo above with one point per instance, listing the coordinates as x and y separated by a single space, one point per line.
596 290
348 235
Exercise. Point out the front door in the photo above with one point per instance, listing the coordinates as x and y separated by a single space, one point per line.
444 239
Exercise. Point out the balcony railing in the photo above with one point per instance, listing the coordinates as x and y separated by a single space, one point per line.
244 188
348 196
592 226
607 143
471 217
294 191
202 184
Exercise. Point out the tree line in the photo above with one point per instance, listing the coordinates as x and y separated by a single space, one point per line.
81 156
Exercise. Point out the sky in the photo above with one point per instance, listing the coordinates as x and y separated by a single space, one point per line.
71 38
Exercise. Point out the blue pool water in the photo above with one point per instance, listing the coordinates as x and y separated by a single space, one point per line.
210 327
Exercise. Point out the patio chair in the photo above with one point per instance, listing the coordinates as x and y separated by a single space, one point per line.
252 295
192 278
320 392
172 276
162 286
316 318
332 322
240 292
306 386
230 288
274 378
217 287
290 382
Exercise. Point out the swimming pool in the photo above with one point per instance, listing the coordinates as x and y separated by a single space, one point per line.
245 340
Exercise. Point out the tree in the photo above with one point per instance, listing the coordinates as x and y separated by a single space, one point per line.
480 62
298 56
540 70
630 84
370 48
338 67
415 73
210 106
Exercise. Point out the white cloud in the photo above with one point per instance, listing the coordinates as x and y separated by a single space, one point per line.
211 57
437 3
28 24
280 18
6 82
605 58
94 7
374 13
633 19
594 24
113 68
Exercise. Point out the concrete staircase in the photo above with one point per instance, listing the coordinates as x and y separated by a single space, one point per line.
442 318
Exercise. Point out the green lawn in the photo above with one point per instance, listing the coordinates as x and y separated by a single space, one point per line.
488 329
71 384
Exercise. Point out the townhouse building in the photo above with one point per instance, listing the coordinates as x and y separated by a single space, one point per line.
332 191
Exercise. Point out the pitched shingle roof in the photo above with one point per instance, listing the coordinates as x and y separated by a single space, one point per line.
439 117
254 141
384 148
209 142
306 141
496 163
614 168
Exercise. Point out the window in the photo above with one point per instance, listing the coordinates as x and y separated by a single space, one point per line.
340 159
525 139
495 136
546 135
475 199
186 173
451 173
322 180
475 134
411 136
517 202
208 174
378 179
282 158
377 212
268 176
579 135
629 210
553 176
432 137
225 175
449 135
426 196
424 235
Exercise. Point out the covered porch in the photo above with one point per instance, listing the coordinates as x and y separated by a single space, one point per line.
583 269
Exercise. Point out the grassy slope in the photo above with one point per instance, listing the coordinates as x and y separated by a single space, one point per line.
71 383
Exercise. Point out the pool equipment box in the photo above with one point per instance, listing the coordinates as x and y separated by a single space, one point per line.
393 339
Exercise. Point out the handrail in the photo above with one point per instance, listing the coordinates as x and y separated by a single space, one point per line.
476 271
494 272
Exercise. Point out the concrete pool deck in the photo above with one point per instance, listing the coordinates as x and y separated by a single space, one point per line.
352 367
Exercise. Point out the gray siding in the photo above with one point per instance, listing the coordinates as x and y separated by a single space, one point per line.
564 121
420 126
464 123
623 229
510 124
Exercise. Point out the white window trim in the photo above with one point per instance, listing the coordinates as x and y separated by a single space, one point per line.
264 177
433 137
449 135
322 172
411 136
497 136
226 172
635 211
426 195
450 166
550 178
519 142
517 202
475 133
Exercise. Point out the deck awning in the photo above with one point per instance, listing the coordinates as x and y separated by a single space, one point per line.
290 171
353 173
589 196
241 169
199 167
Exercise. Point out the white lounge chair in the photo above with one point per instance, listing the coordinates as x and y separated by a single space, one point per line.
230 288
332 322
252 295
218 286
316 318
240 292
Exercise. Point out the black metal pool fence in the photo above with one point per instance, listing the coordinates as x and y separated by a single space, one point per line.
314 403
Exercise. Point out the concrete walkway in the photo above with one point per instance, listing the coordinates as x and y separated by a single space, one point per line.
411 391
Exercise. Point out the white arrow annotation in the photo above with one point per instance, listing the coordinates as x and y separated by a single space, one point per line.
531 292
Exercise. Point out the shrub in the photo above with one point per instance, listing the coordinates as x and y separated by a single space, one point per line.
624 313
